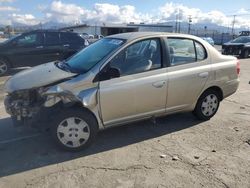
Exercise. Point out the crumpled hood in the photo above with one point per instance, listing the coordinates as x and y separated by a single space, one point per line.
36 77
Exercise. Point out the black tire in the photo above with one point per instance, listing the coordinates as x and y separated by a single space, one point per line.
4 67
78 114
205 113
245 54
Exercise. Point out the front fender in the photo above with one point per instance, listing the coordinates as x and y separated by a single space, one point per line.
88 98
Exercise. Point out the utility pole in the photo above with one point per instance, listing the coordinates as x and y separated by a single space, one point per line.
41 26
95 27
179 19
205 29
176 23
189 23
233 25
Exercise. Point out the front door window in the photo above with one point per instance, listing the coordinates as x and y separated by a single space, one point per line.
30 40
139 57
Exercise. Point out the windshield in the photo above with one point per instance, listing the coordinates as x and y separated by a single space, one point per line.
244 39
84 60
10 39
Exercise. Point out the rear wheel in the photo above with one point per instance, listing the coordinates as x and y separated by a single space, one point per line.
74 129
207 105
4 67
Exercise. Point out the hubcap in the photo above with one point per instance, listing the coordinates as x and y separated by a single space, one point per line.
73 132
209 105
3 67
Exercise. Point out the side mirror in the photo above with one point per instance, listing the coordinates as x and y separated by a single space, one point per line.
107 74
113 72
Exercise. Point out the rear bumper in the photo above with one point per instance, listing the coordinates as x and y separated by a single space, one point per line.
230 87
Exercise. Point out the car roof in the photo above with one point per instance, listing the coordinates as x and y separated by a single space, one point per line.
49 31
136 35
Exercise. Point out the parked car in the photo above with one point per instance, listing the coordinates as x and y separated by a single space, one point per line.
98 36
84 35
238 47
119 79
91 36
209 40
38 47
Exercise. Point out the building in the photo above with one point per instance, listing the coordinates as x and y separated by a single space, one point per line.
110 29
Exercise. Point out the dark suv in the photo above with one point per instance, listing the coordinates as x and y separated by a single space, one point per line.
238 47
38 47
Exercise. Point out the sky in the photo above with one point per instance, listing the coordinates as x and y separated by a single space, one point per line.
32 12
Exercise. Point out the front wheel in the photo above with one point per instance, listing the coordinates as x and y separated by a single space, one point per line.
4 67
74 129
207 105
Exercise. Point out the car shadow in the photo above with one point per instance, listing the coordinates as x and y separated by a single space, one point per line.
39 151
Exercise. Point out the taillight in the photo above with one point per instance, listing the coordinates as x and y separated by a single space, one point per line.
238 67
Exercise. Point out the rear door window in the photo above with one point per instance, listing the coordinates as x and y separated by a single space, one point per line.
70 38
52 38
200 51
184 51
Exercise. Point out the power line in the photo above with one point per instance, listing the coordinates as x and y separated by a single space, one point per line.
233 24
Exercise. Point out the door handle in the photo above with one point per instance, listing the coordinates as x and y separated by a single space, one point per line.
39 47
159 84
66 45
203 75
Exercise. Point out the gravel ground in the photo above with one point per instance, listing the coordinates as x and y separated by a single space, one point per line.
177 151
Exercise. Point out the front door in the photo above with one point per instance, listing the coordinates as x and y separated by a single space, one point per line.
141 89
27 50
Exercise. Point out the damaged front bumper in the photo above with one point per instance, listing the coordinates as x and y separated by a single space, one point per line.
27 107
19 108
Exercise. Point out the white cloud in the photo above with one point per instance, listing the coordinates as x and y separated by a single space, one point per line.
169 11
6 1
59 11
8 8
27 19
62 12
113 13
101 12
243 11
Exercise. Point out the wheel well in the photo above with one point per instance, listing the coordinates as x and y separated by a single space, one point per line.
217 89
81 107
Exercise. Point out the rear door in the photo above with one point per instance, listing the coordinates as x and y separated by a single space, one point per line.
52 49
188 72
141 89
71 43
27 50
